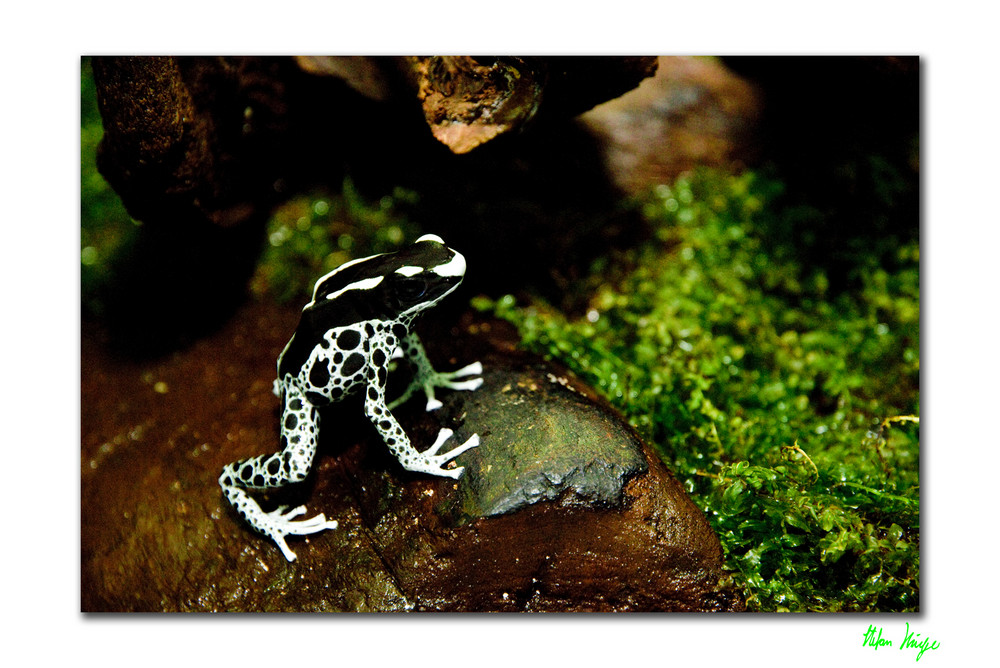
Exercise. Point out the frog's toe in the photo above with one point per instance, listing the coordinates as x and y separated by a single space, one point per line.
431 462
468 445
474 369
436 466
447 380
464 384
283 546
279 524
442 437
313 525
455 473
279 514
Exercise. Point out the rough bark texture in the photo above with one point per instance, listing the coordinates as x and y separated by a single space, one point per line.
192 137
219 137
468 101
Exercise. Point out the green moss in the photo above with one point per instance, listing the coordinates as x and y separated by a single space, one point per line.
310 235
772 396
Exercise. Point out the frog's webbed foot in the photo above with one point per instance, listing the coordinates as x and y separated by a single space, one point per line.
277 524
429 461
446 379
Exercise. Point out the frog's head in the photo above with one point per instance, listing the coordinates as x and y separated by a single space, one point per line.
403 283
420 276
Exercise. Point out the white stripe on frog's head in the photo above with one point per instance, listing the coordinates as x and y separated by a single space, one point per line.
409 270
454 267
363 284
328 276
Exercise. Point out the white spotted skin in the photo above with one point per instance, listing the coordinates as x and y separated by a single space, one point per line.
359 318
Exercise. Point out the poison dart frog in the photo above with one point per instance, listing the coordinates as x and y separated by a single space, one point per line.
358 319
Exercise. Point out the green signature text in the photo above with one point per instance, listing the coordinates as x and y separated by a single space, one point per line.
911 640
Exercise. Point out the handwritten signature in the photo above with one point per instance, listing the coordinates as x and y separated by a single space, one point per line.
873 638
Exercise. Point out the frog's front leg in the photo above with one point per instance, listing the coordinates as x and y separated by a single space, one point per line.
392 433
426 378
300 427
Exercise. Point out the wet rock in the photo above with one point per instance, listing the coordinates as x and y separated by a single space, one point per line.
547 441
601 526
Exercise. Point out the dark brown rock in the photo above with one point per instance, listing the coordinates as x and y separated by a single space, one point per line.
468 101
156 535
693 112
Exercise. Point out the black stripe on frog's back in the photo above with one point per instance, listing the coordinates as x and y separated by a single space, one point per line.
425 255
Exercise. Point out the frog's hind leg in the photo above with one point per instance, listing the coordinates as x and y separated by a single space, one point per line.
300 428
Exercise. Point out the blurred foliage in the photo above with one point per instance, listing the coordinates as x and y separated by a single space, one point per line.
787 408
105 226
311 235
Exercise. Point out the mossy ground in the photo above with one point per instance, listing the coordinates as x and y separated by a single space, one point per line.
787 407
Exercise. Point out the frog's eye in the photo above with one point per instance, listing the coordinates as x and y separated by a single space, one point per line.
410 290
